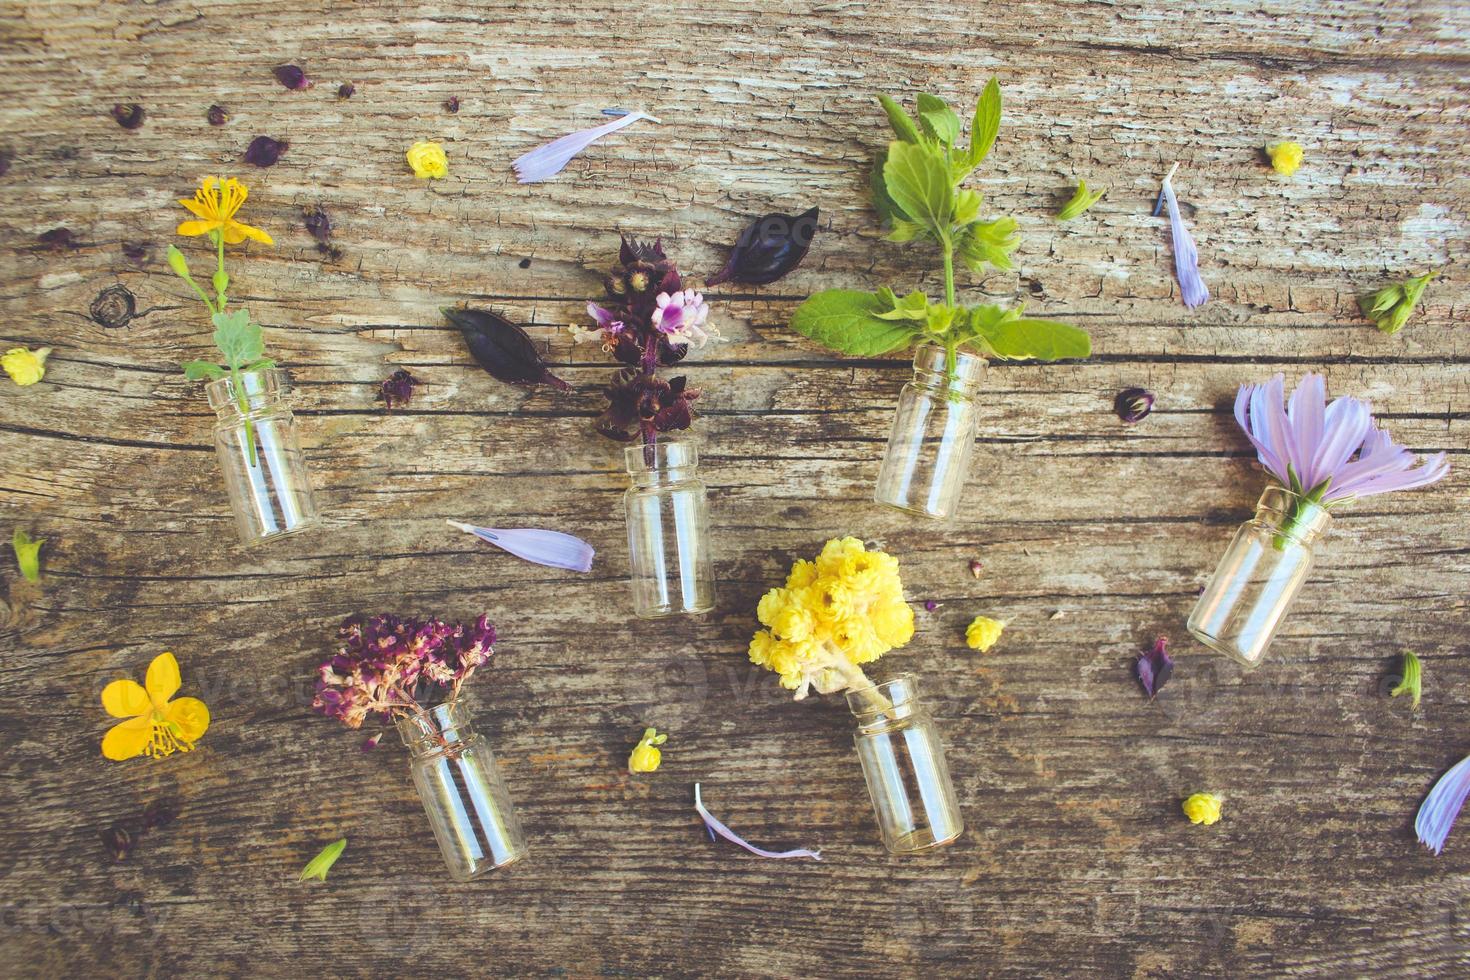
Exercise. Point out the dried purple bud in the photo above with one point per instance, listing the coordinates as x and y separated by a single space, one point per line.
160 813
368 744
1133 404
318 223
1155 667
398 389
129 115
5 157
217 115
502 348
292 77
264 151
57 240
118 840
768 248
136 251
930 605
975 567
452 103
346 90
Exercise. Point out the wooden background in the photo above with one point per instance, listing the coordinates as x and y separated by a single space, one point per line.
1095 536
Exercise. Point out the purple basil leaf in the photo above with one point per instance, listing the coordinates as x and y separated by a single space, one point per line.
264 151
769 248
503 349
1155 668
292 77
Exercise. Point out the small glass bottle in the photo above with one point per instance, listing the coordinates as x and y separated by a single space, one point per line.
903 763
1263 570
928 457
265 470
668 531
463 793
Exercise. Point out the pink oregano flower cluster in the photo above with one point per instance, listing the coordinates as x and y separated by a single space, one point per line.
387 666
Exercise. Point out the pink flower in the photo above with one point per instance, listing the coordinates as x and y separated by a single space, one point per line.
607 330
681 317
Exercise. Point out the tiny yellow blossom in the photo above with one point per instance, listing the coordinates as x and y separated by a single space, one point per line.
156 726
646 756
25 367
428 160
983 633
1285 157
1203 808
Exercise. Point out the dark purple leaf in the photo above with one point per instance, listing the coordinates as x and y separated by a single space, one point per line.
1155 667
292 77
1133 404
264 151
318 223
129 115
503 349
768 248
398 389
217 115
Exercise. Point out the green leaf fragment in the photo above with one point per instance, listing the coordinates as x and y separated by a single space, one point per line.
238 339
988 242
1017 338
1391 307
199 370
27 554
1080 202
1413 682
318 866
846 320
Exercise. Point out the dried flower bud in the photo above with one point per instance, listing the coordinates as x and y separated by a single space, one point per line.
930 605
159 814
264 151
129 115
398 389
368 744
118 840
451 104
975 567
1155 667
292 77
57 240
318 223
1133 404
1203 808
217 115
346 90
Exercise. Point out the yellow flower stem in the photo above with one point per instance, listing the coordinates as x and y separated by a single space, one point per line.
219 238
858 682
202 294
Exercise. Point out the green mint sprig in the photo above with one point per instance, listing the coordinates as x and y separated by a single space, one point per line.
917 190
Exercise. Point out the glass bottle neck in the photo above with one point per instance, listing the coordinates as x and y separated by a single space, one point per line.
261 389
663 463
1291 515
885 706
933 370
443 728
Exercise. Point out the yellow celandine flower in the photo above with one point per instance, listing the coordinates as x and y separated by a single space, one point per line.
215 204
844 609
1285 157
428 160
645 756
1203 808
25 367
156 726
983 632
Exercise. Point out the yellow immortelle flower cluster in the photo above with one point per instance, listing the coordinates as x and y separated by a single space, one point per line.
844 609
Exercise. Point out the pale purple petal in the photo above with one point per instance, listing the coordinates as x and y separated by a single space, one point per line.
1307 413
1264 451
1442 805
1192 288
716 827
1435 468
549 160
1348 422
604 318
551 548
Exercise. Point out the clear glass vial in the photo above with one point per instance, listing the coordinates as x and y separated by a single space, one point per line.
463 793
265 470
903 763
1258 579
928 458
668 530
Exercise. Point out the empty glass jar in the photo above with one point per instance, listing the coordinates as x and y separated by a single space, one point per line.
1256 582
265 470
928 458
903 763
668 531
465 797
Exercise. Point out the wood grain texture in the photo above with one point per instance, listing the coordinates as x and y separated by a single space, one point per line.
1095 536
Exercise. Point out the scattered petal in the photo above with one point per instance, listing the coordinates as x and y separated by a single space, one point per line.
1203 808
554 549
503 349
264 151
217 115
1133 404
25 367
129 115
550 159
159 814
714 826
769 248
427 160
398 389
318 866
1442 805
292 77
318 223
1192 289
983 633
1286 157
645 756
1155 668
27 554
1412 683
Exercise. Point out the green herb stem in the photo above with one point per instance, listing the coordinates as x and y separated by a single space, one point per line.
219 238
244 404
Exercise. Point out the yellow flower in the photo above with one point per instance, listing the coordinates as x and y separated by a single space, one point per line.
215 204
428 160
983 633
156 726
803 573
646 756
1203 808
25 367
792 622
1285 157
893 621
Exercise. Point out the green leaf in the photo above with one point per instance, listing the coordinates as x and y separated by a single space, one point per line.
914 306
264 364
967 206
882 203
900 120
986 124
1413 682
918 181
27 554
1042 340
1080 202
1381 302
938 119
318 866
846 320
238 339
199 370
1390 308
988 241
904 230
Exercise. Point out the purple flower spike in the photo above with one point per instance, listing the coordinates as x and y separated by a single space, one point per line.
1192 288
550 159
1330 451
1155 668
1442 806
264 151
714 826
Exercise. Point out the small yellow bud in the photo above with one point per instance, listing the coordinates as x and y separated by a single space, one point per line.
1285 157
645 756
1203 808
428 160
983 633
25 367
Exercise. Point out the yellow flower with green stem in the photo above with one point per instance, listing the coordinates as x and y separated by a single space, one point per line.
156 725
214 207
